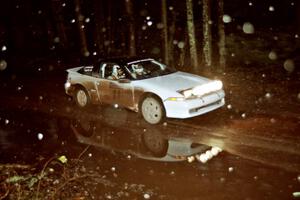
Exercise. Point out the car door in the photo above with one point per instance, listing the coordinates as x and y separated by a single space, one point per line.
115 92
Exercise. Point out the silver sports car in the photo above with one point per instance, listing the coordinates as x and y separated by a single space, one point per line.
146 86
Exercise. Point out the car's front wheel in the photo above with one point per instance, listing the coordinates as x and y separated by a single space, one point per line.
152 110
81 97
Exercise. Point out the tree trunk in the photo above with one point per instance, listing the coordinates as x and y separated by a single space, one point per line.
80 24
207 47
191 35
171 38
221 30
59 22
99 34
131 37
165 30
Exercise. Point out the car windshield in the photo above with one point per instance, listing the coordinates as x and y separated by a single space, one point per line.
149 68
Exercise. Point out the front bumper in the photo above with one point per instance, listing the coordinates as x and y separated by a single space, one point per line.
194 107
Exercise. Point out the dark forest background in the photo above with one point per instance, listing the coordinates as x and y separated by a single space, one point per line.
89 29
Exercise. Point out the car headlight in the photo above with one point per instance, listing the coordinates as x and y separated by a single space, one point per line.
175 99
202 89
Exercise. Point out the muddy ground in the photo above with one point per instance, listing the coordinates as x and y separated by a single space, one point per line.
257 129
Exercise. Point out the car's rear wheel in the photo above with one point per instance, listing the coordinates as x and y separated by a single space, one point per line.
81 97
152 110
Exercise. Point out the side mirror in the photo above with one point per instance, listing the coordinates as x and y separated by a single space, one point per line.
124 81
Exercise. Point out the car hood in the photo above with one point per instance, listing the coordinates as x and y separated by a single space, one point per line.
171 83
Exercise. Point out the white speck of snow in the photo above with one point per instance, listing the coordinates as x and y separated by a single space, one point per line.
6 121
298 178
82 26
144 27
56 39
73 21
40 12
87 20
3 65
113 169
94 53
63 5
233 55
248 28
129 157
226 19
289 65
268 95
175 42
272 55
4 48
180 45
298 96
86 53
292 3
148 18
41 97
159 25
171 8
116 106
250 4
275 38
296 36
229 106
244 115
165 124
90 154
146 196
272 120
149 23
40 136
263 75
230 169
19 88
271 8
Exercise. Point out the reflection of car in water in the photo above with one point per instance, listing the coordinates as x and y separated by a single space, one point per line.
146 86
145 142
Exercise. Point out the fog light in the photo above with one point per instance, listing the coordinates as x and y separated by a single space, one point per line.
190 159
67 84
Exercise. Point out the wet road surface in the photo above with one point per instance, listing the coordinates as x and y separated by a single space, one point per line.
260 157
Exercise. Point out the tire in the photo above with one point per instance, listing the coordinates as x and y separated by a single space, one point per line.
81 97
155 143
152 110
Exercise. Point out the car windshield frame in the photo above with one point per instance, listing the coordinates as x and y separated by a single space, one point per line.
151 68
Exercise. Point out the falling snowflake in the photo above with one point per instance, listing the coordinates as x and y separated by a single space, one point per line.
226 19
272 55
149 23
271 8
3 65
289 65
248 28
146 196
40 136
4 48
180 45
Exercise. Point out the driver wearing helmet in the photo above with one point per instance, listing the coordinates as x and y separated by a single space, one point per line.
117 73
138 69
